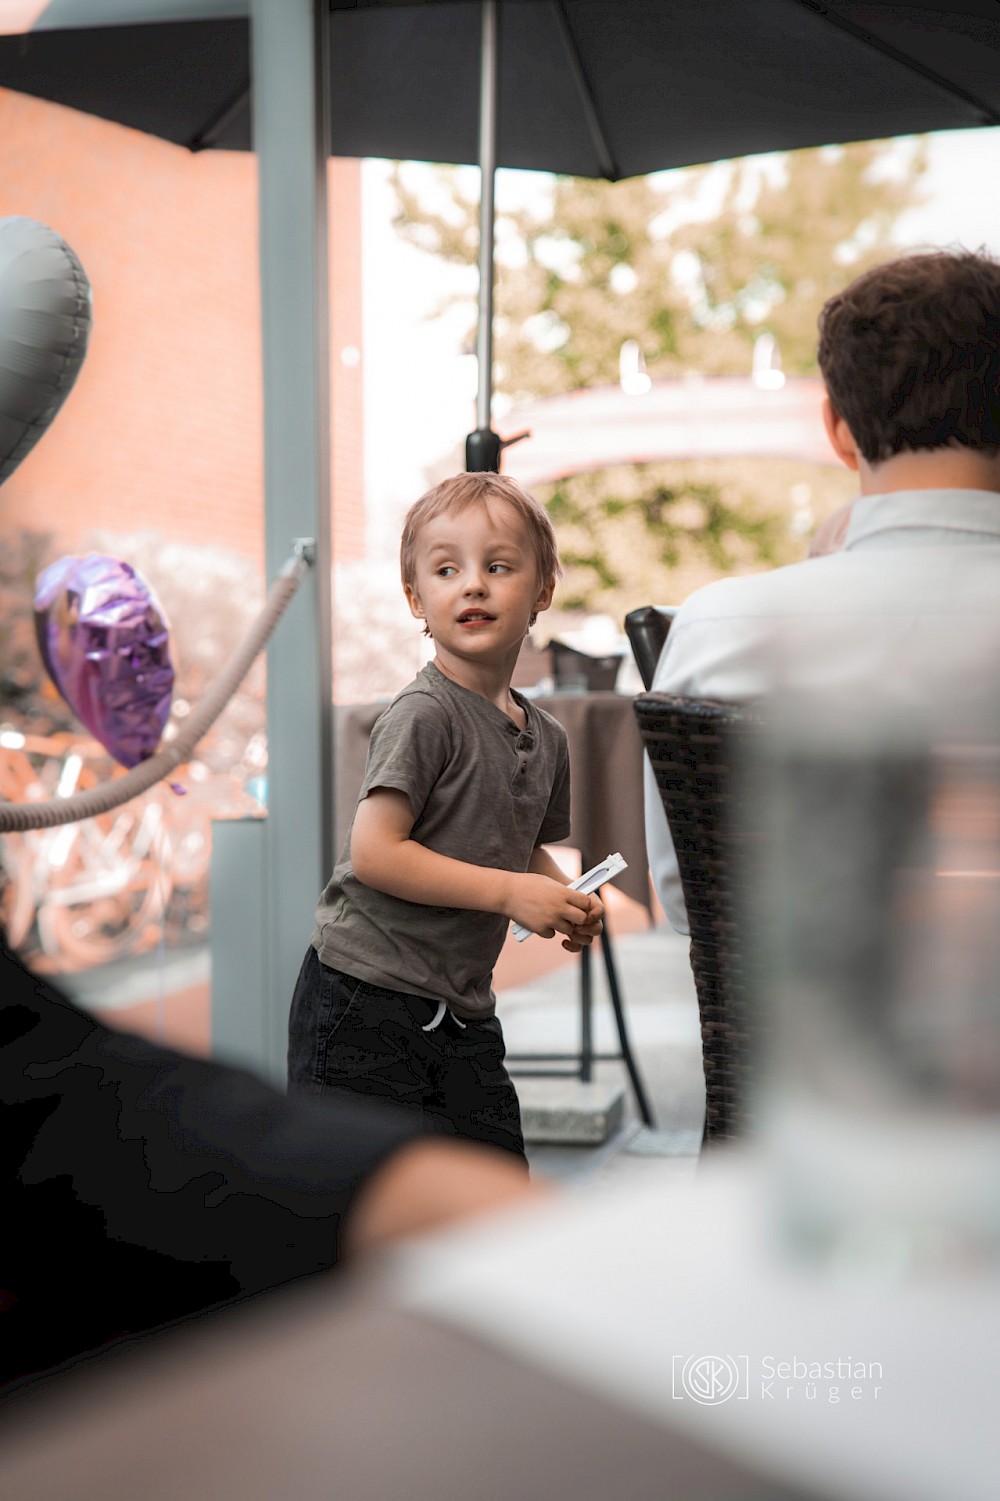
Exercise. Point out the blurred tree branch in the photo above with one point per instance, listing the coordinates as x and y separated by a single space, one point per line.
694 266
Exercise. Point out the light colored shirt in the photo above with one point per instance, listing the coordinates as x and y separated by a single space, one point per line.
911 607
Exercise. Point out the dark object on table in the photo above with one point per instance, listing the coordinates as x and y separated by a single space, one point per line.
577 670
692 746
647 629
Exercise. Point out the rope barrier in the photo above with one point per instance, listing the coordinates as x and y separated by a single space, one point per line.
15 818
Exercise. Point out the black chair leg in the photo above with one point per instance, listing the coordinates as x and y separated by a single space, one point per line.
645 1109
586 1018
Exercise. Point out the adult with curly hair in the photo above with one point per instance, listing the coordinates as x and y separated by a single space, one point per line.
910 603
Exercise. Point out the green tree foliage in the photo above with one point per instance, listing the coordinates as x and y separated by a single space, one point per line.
634 533
608 262
694 266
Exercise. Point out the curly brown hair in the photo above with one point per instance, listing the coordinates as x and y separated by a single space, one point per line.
910 353
463 490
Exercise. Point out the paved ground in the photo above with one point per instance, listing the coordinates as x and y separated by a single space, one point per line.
662 1014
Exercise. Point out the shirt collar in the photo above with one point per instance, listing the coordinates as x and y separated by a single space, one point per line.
482 705
911 515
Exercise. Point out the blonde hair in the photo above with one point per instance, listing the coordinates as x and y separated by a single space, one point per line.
462 490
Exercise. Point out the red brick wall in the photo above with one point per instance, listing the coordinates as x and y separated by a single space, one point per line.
347 410
162 431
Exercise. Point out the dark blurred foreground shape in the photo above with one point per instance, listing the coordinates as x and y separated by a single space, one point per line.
563 1355
141 1187
326 1392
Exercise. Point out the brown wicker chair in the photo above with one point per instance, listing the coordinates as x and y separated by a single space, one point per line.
692 745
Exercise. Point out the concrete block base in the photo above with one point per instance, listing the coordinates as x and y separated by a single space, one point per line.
568 1111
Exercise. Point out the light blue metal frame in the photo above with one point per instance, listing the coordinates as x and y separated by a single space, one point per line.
290 43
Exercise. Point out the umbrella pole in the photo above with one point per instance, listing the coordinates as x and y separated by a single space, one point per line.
482 447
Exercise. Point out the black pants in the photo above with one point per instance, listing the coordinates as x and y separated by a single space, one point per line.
346 1034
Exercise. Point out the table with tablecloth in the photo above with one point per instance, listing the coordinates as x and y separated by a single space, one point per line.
352 1390
606 767
574 1349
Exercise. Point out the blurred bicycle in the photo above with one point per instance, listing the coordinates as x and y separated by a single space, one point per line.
84 893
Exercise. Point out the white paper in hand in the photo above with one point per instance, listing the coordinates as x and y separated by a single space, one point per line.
589 881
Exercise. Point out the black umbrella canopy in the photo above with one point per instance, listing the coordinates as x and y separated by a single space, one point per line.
594 88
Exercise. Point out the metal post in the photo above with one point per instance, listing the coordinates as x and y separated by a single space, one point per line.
482 447
290 55
617 1005
488 89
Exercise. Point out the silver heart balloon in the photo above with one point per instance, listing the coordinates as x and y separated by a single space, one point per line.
45 318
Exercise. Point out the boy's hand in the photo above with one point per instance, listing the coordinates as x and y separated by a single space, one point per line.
548 907
583 935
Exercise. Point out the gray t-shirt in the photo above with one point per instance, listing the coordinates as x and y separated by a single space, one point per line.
482 791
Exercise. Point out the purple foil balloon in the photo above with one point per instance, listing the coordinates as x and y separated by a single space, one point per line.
105 643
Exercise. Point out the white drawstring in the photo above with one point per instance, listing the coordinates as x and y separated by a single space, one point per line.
439 1016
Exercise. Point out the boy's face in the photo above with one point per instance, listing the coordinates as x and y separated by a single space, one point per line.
476 583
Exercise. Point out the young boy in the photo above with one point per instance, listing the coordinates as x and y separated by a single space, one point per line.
464 784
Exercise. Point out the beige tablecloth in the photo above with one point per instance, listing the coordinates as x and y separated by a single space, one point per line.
606 764
327 1392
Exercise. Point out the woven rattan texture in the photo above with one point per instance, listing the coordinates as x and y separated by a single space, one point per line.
693 745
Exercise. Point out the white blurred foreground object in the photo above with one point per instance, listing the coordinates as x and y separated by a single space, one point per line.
588 882
642 1343
878 971
672 1301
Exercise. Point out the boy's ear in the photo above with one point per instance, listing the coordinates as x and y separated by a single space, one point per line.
413 600
545 596
840 435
